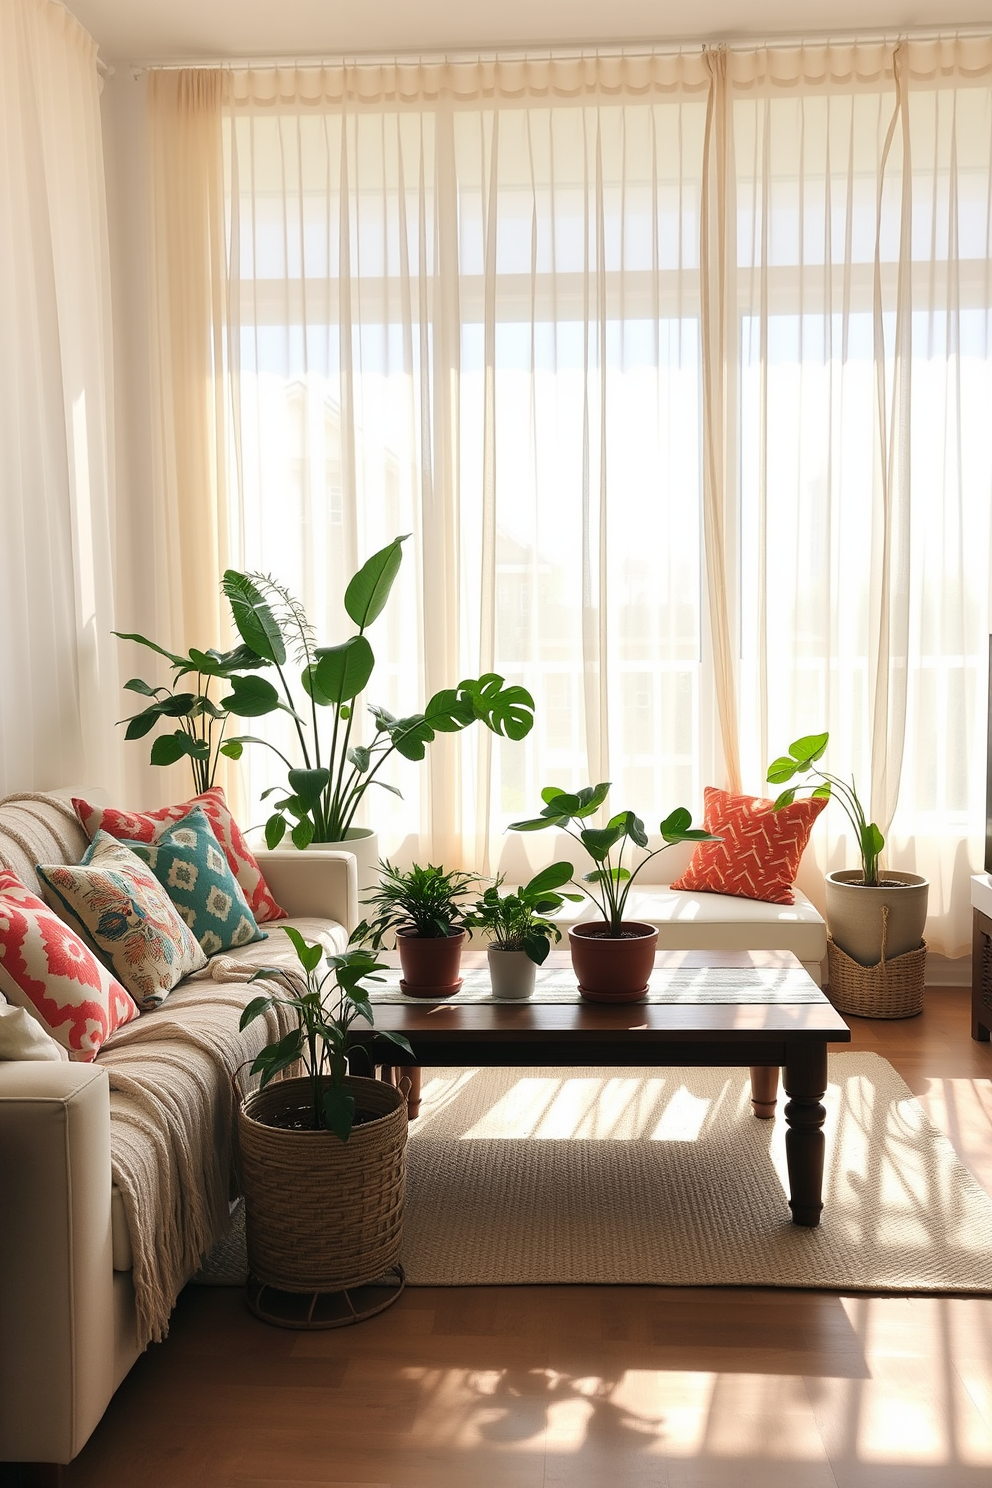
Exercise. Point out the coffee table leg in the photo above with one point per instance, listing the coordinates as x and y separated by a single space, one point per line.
764 1090
805 1085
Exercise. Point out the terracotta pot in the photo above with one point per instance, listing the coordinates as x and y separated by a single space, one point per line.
430 966
855 918
613 969
512 973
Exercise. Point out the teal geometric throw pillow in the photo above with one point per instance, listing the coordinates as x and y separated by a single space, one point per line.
191 866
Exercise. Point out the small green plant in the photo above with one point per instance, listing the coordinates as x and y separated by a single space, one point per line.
326 1007
418 901
201 721
608 884
802 760
516 922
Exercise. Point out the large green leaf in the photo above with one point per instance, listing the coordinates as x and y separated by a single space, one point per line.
142 723
130 635
781 770
505 710
303 833
591 797
677 827
255 1009
342 671
275 830
809 748
252 697
312 687
135 684
368 591
448 713
411 736
168 748
308 785
547 880
597 841
872 840
257 626
309 956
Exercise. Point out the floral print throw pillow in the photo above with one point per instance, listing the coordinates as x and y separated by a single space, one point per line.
119 907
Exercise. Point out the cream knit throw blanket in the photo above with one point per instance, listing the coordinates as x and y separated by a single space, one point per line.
173 1118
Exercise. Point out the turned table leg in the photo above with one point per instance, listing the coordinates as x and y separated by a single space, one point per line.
764 1090
805 1085
407 1078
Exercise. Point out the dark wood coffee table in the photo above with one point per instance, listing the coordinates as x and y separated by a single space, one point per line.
792 1037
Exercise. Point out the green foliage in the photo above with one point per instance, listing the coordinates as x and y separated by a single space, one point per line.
272 623
426 902
201 722
610 882
802 760
516 922
326 1007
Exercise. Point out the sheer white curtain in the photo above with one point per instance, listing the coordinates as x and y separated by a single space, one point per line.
58 684
678 372
465 304
864 208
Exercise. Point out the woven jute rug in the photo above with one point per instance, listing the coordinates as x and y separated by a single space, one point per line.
663 1176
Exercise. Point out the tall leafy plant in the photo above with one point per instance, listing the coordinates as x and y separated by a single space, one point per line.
327 785
610 882
198 720
326 1008
802 760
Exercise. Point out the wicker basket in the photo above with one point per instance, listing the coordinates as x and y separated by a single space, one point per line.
892 989
323 1215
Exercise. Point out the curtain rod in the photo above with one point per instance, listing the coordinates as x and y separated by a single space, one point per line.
548 51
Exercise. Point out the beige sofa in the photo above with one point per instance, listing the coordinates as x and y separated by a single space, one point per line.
68 1321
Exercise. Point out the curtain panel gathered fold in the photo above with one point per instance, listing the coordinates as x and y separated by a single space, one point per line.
58 678
677 370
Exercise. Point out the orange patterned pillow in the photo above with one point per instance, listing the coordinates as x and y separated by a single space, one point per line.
758 857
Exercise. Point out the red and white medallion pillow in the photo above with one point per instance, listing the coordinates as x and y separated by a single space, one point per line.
46 969
758 856
148 826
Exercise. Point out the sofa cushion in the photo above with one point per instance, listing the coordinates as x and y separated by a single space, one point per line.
759 851
47 969
188 862
148 826
119 906
22 1036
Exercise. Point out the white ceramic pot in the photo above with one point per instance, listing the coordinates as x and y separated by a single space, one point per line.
855 918
363 844
512 973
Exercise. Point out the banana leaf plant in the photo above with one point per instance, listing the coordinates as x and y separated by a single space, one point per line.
198 720
802 760
326 1006
325 787
610 882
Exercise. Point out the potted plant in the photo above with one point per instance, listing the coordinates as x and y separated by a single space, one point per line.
323 1154
871 913
199 736
328 783
518 929
612 957
423 909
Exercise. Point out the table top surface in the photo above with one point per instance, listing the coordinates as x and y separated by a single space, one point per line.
814 1021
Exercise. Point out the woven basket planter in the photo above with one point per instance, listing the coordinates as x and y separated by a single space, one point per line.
322 1215
892 989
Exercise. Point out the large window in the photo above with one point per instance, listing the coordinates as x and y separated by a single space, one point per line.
677 371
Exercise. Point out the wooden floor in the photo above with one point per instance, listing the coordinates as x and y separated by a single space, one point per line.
543 1387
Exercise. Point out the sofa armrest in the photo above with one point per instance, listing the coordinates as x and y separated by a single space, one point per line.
57 1361
317 883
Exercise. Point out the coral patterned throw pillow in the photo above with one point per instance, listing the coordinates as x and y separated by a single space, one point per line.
758 857
148 826
46 969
